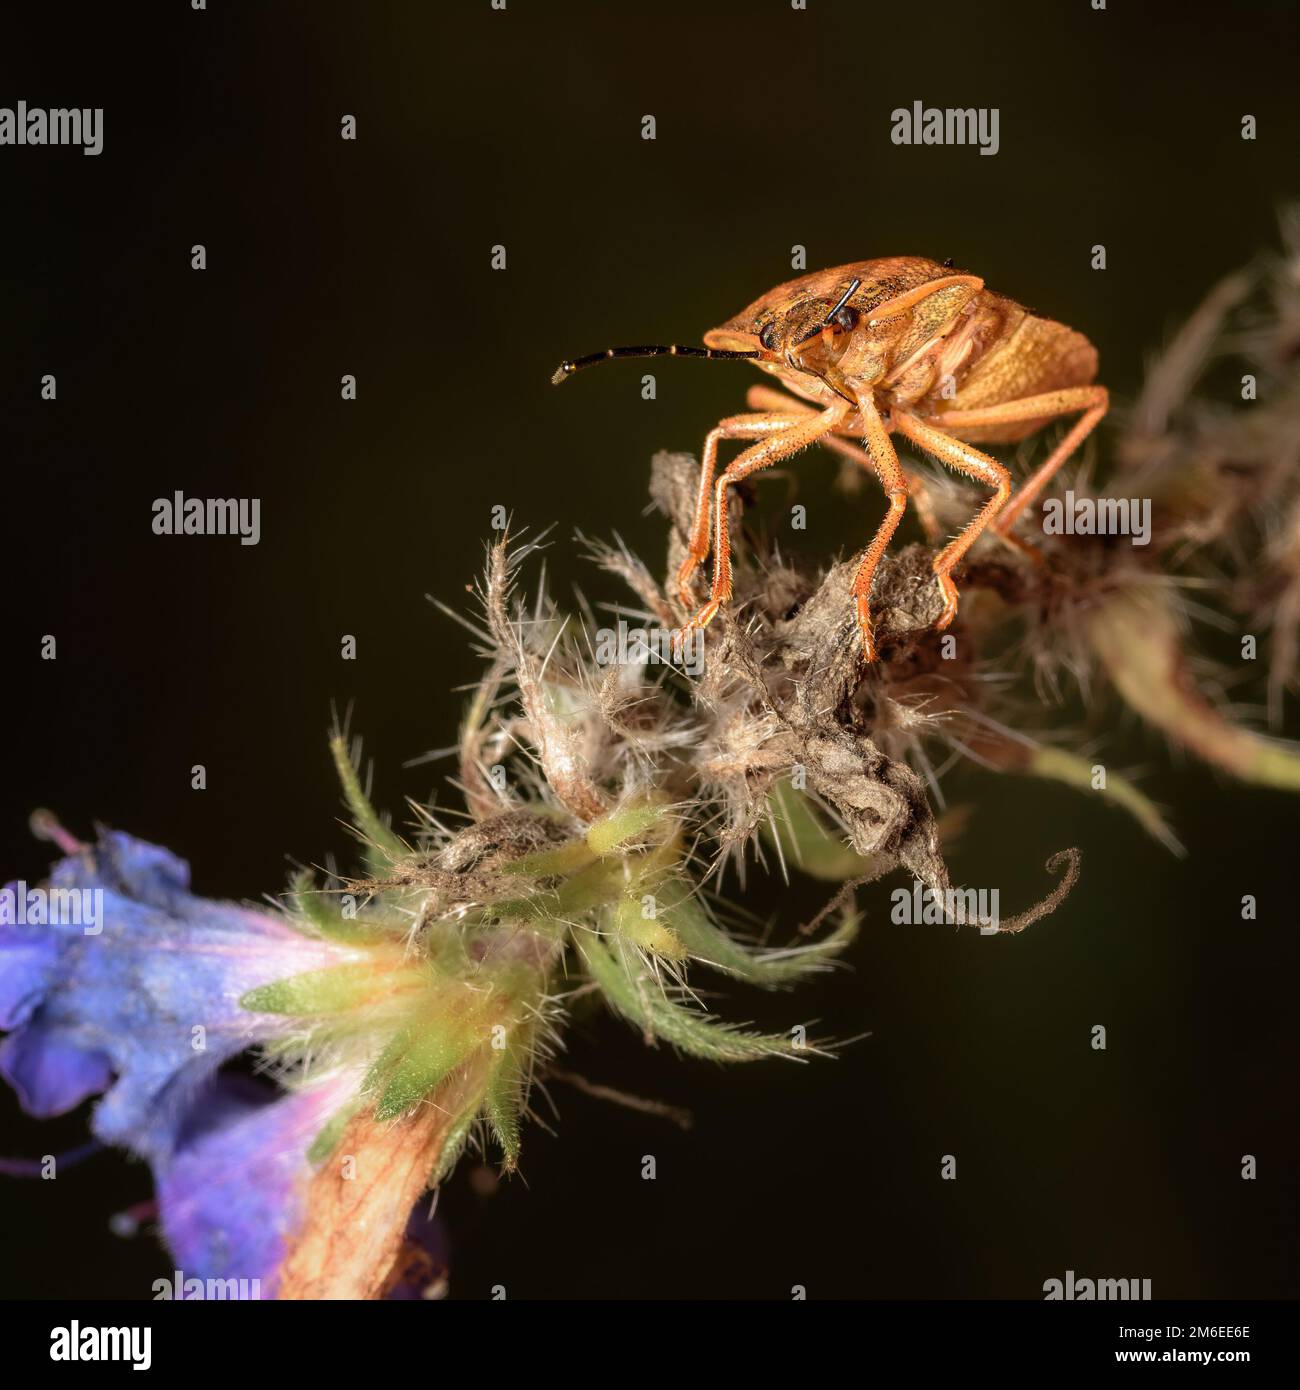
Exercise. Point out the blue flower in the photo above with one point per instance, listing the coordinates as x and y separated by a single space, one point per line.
146 1010
136 999
231 1197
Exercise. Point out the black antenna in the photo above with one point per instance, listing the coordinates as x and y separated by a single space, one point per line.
844 298
567 369
815 332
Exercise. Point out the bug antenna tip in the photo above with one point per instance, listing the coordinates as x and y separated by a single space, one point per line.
561 373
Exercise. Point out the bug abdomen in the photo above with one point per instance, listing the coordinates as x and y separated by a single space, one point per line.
1038 355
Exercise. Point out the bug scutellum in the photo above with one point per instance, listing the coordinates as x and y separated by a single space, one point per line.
897 345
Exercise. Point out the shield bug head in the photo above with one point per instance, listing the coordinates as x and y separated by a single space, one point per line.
807 333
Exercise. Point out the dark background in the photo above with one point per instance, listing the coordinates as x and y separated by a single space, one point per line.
523 128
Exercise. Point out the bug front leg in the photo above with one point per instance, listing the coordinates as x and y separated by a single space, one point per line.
765 398
884 462
796 434
733 427
1092 400
964 458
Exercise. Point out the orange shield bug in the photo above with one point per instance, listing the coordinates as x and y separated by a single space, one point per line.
899 345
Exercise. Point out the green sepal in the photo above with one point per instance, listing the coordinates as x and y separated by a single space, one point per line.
630 990
649 933
317 907
618 827
504 1101
803 835
413 1064
330 991
383 845
1074 771
454 1144
552 863
330 1133
711 945
593 887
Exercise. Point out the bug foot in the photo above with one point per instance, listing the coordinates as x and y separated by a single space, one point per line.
866 629
684 574
700 621
1030 552
949 591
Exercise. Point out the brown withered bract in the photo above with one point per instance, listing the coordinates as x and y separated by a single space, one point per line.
896 345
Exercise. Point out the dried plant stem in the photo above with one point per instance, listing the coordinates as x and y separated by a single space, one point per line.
679 1116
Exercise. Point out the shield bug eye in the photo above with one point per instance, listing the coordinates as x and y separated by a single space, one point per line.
767 337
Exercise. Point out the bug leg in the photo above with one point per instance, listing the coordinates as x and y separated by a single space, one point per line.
1091 400
795 434
884 462
915 483
733 427
964 458
765 398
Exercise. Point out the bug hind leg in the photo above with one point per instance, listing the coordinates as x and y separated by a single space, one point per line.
1092 401
964 458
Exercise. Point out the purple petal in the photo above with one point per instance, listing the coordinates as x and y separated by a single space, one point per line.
154 996
28 956
50 1074
233 1196
147 873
